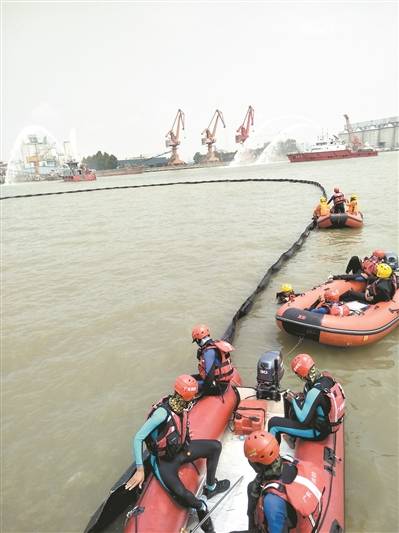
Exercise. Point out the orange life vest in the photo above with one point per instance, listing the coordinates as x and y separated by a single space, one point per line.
352 207
222 372
336 395
369 264
304 494
173 434
321 210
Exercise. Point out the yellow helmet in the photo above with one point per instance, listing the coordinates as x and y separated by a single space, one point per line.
383 271
286 287
353 197
323 200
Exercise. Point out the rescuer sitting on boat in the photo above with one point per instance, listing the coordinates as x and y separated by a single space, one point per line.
286 294
166 434
339 200
329 303
380 289
284 492
365 267
321 209
214 363
312 415
353 208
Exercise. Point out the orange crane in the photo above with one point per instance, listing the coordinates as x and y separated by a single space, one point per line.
242 133
209 135
353 138
173 138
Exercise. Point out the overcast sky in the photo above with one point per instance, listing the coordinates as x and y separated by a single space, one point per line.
116 73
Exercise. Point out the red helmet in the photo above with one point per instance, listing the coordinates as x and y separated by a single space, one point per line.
331 295
379 253
261 447
336 189
301 364
186 386
199 332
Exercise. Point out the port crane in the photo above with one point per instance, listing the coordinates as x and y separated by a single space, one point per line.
353 138
209 135
242 132
173 138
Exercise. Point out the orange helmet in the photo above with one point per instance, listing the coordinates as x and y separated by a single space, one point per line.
186 386
261 447
379 253
199 332
301 364
336 189
331 295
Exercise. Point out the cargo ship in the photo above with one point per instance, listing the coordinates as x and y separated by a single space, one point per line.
335 148
330 149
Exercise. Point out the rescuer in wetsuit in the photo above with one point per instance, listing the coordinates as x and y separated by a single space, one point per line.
281 487
338 199
313 416
166 434
214 363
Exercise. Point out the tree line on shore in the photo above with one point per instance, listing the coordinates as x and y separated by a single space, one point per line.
105 161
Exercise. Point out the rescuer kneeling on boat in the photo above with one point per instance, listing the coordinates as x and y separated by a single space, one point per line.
339 201
318 411
285 493
321 209
214 363
353 208
166 434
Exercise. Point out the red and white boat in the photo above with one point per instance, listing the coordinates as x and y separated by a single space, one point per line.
79 173
325 149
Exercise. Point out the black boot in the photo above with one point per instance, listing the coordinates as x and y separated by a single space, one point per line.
221 486
207 526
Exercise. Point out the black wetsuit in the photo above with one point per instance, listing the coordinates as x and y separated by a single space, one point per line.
383 289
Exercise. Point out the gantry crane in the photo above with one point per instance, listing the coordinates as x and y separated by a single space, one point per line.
242 133
209 135
173 138
353 138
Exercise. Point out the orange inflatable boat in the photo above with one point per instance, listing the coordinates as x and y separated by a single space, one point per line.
365 324
340 220
154 511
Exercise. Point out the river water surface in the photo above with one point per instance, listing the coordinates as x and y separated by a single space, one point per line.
101 290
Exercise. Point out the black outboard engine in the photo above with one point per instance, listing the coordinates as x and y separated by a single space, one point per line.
392 260
270 371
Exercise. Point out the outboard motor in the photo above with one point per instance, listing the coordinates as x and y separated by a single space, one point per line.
270 371
392 260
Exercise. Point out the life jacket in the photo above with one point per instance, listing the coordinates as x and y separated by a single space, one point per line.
369 264
373 287
321 210
304 494
352 207
336 396
222 372
338 198
173 434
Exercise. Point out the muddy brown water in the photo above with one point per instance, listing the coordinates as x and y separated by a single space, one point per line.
101 290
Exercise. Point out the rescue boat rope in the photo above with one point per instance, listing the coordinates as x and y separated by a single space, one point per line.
168 184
